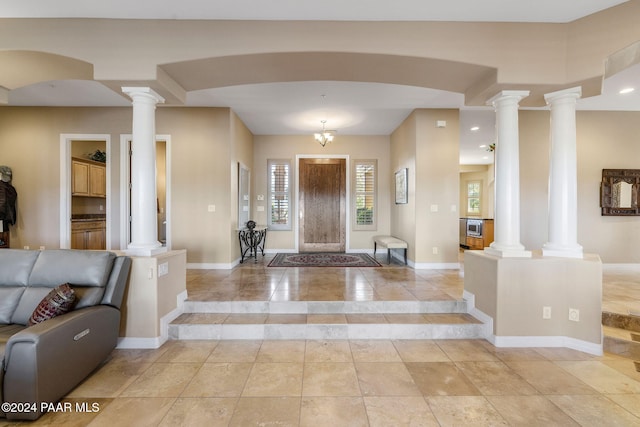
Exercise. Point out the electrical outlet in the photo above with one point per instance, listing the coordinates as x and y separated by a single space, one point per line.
435 250
211 208
163 269
546 312
574 314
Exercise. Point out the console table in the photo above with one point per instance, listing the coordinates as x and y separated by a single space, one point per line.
251 239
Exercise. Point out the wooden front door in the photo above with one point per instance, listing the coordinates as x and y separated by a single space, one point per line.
322 186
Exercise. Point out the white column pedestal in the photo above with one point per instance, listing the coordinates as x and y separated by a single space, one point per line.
563 180
507 182
144 215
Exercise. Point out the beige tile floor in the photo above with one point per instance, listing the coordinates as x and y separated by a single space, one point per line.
355 383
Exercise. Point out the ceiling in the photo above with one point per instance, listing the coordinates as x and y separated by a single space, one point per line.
349 107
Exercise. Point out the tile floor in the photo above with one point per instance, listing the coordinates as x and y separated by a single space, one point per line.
355 383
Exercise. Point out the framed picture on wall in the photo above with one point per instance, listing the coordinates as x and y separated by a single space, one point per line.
401 186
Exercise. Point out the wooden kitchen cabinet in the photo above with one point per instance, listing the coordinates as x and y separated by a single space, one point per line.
88 178
88 235
479 243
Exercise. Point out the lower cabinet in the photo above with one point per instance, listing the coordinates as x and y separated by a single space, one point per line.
88 235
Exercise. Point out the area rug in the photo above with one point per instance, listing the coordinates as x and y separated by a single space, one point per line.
321 259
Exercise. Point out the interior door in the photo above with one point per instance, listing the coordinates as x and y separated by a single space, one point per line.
322 196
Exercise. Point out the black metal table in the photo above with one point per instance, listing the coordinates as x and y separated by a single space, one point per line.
251 240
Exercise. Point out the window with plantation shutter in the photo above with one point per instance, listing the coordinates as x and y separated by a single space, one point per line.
365 194
279 217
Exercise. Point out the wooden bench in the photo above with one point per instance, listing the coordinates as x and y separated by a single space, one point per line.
389 242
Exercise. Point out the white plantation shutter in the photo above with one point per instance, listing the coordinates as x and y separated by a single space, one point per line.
365 194
279 194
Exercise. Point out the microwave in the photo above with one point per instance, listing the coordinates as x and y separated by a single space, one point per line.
474 227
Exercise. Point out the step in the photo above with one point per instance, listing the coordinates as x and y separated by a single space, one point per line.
269 320
621 342
325 307
228 326
629 322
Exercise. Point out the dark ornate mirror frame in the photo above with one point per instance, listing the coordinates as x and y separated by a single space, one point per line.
610 177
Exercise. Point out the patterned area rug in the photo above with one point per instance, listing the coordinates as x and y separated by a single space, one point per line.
323 260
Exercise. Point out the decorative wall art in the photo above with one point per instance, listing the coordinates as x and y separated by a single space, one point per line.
401 186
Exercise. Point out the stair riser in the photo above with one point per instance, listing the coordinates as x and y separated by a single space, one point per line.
621 321
321 307
625 348
326 332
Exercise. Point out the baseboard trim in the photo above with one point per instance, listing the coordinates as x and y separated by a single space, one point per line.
437 266
140 343
156 342
547 341
212 266
528 341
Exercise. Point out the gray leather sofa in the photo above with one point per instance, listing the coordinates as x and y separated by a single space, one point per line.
43 362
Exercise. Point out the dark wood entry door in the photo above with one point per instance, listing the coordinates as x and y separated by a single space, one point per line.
322 186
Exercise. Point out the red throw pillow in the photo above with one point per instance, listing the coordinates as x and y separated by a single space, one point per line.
59 301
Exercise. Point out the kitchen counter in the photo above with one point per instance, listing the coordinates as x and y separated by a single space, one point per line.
88 217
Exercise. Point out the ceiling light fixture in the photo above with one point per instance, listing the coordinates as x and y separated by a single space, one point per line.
626 90
325 136
475 128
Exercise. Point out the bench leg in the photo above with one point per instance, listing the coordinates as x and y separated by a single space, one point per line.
388 256
405 256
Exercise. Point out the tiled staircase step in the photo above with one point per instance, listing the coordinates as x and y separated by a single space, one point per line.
325 307
628 322
621 342
230 328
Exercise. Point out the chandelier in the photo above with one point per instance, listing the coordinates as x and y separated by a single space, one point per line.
325 136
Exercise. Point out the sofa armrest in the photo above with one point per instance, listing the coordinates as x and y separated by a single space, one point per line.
47 360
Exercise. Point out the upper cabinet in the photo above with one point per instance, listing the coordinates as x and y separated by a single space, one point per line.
88 178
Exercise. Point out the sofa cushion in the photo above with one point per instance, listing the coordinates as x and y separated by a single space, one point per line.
15 266
9 298
78 268
59 301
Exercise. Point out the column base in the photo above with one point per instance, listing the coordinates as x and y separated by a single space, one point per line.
555 250
149 249
507 251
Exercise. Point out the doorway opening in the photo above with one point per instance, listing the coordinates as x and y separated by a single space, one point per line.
85 197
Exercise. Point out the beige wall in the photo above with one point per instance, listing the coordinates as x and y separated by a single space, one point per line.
241 152
605 140
429 221
289 146
403 155
513 292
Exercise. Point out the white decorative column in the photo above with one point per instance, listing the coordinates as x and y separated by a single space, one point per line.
507 182
144 215
563 176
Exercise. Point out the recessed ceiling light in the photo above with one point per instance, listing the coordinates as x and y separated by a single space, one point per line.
483 146
475 128
626 90
485 157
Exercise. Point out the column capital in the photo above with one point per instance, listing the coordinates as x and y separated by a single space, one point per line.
573 93
143 93
508 95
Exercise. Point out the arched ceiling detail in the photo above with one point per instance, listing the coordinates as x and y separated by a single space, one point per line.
336 66
21 68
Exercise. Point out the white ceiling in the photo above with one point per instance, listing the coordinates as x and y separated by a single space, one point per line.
342 10
351 108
